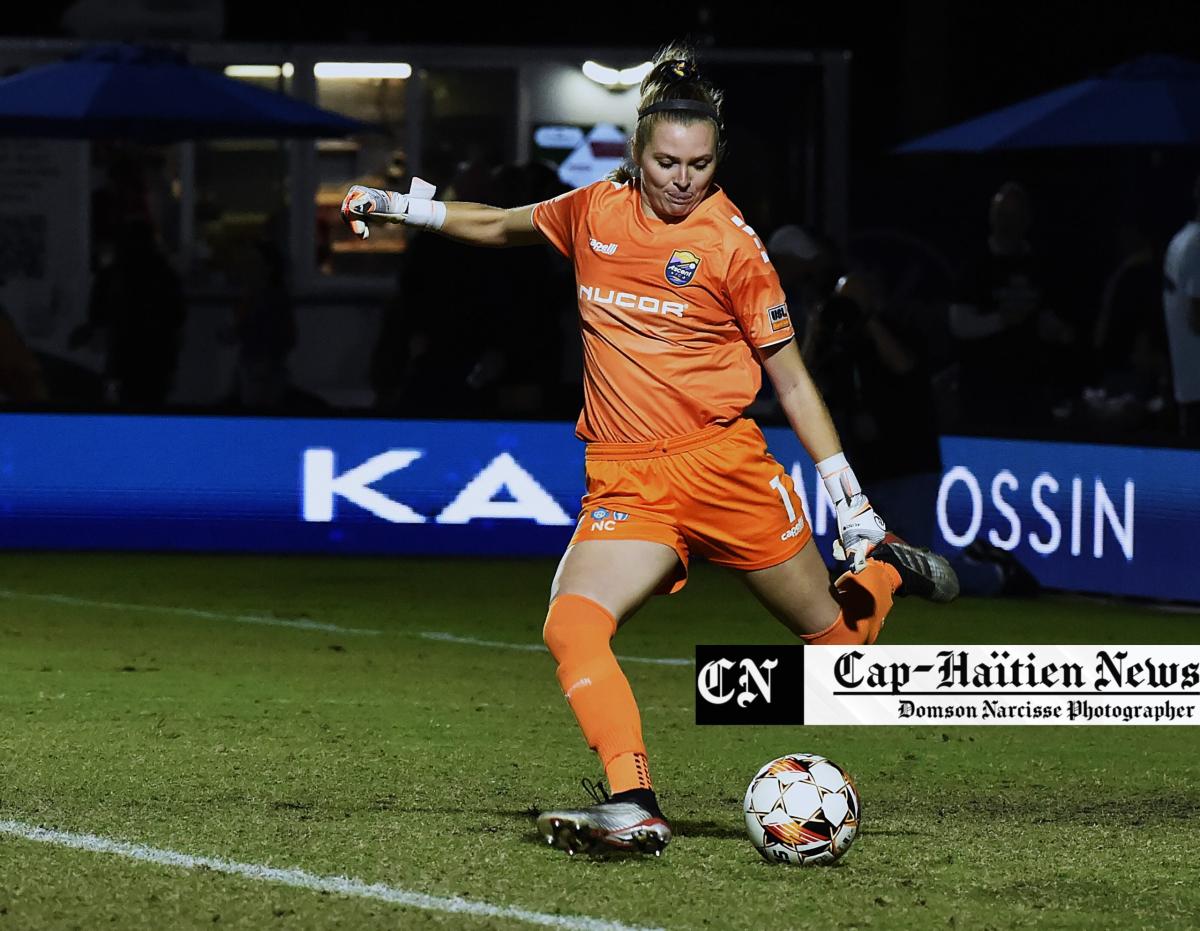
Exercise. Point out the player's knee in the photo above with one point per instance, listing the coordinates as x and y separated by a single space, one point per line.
553 634
808 617
576 622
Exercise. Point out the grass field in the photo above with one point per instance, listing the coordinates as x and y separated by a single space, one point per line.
196 705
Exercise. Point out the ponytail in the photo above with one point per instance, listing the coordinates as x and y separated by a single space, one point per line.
673 92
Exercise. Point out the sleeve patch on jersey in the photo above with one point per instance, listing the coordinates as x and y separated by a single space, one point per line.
778 318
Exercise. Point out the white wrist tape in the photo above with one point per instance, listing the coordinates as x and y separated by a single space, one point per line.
840 481
430 214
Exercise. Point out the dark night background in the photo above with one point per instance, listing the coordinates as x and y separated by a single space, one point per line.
915 67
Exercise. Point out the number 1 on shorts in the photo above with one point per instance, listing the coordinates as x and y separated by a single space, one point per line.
777 484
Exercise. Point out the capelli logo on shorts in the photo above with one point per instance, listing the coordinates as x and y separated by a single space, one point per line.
750 684
794 531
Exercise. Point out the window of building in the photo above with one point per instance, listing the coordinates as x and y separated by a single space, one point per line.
379 94
240 191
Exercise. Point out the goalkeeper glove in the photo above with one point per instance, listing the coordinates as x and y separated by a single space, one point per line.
416 208
859 527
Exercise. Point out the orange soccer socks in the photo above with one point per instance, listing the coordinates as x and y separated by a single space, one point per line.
865 600
578 631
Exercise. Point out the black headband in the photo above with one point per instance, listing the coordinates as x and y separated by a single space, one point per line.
679 103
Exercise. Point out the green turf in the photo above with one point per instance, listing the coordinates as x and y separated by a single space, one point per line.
399 760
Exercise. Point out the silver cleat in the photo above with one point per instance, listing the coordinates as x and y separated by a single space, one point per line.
922 573
607 827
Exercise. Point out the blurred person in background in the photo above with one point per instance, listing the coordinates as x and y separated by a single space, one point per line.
1011 347
878 385
137 304
516 371
866 356
680 312
1181 307
564 386
264 329
122 198
808 268
433 337
1130 377
21 379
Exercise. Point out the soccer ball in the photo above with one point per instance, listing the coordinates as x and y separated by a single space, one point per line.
802 809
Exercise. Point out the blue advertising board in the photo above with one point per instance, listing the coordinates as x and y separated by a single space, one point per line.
1112 519
284 485
1085 518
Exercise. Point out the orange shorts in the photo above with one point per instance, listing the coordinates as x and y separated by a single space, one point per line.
717 494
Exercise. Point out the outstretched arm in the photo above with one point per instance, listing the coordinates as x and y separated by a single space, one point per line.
800 400
859 527
476 224
481 225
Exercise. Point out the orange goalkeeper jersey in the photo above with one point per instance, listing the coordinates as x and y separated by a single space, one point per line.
670 313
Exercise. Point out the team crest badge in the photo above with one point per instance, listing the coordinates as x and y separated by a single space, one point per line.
681 267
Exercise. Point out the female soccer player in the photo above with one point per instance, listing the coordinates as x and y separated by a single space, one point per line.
679 308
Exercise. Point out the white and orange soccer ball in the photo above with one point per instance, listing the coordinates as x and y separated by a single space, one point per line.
802 809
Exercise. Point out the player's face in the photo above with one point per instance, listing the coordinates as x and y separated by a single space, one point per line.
677 167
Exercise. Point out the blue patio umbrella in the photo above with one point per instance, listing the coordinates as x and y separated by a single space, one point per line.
152 95
1150 101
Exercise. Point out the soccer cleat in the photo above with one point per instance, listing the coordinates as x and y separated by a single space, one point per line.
922 573
628 822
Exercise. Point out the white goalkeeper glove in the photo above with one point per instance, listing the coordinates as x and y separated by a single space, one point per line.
416 208
859 527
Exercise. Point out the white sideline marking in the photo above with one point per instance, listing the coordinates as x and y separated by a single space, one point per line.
304 624
300 623
339 885
534 648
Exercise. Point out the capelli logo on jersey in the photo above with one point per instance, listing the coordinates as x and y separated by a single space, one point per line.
604 248
628 301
